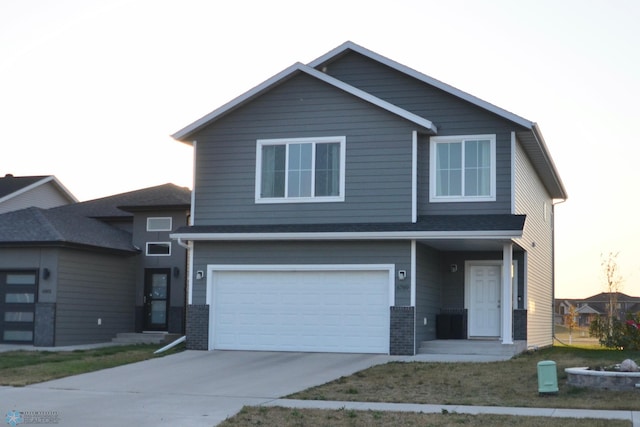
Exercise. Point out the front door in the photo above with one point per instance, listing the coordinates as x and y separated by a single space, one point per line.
18 293
156 298
484 301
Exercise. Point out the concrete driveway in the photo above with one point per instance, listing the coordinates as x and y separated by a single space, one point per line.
192 388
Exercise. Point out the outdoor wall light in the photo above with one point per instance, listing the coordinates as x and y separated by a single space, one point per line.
199 275
176 272
402 274
46 273
453 268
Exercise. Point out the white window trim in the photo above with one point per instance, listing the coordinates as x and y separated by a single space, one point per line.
160 217
285 141
158 243
433 141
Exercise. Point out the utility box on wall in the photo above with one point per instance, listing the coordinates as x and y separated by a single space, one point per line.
547 377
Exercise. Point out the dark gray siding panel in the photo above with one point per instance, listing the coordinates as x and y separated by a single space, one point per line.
428 291
451 115
378 158
91 287
397 253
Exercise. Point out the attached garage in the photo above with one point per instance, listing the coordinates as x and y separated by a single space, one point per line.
319 308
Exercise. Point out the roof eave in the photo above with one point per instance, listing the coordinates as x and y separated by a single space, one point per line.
390 235
184 134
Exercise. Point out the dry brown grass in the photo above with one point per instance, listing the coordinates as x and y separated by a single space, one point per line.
510 383
285 417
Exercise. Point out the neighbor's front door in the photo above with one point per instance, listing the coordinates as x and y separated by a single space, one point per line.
156 299
484 309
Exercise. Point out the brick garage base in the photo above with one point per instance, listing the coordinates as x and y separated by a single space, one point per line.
402 340
197 327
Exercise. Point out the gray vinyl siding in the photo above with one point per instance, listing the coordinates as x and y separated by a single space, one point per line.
93 286
451 115
378 158
531 197
257 253
429 291
43 196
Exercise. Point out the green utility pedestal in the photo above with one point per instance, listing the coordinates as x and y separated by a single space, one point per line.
547 377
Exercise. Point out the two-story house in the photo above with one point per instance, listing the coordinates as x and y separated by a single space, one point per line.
85 272
356 205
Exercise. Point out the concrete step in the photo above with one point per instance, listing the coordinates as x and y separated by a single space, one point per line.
476 347
145 338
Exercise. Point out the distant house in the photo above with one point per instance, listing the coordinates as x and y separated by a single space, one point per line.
356 205
18 192
84 272
589 308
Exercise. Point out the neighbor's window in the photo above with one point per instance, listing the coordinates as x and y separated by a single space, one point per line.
463 168
300 170
158 248
159 224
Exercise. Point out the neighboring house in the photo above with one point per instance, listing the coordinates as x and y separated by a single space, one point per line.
84 272
356 205
588 309
18 192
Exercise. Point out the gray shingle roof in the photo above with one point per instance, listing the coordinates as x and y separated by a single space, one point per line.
46 227
119 205
80 225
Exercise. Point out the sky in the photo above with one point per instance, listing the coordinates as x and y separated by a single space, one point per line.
91 90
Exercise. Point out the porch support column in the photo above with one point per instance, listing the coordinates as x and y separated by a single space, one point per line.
507 298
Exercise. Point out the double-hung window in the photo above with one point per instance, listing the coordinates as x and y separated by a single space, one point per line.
462 168
300 170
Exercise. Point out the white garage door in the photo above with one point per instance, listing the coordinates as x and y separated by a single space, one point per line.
343 311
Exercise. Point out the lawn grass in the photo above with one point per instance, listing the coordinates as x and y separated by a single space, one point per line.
20 368
509 383
286 417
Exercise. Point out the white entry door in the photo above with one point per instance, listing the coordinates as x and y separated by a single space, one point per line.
484 300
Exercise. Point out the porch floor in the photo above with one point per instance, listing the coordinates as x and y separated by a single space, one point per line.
472 347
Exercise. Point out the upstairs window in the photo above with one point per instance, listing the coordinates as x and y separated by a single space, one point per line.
463 168
300 170
159 224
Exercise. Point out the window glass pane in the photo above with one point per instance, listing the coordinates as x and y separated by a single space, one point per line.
18 316
477 168
21 279
19 298
159 285
299 174
159 248
327 172
159 224
158 312
17 335
448 169
273 171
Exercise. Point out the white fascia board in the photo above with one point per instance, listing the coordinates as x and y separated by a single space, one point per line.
391 235
550 163
182 134
422 77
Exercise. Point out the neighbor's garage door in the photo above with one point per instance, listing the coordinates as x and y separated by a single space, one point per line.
316 311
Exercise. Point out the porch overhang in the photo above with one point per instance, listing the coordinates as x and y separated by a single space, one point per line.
436 230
